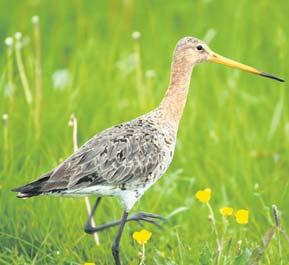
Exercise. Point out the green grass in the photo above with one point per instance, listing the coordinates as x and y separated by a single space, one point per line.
230 115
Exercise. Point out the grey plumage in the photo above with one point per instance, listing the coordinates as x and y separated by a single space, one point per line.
125 157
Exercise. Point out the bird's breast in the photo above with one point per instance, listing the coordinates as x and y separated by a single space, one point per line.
166 143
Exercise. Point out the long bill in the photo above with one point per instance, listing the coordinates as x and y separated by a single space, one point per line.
216 58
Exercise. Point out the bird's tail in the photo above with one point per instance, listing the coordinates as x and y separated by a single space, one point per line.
32 189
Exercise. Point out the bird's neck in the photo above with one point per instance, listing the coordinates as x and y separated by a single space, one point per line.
175 98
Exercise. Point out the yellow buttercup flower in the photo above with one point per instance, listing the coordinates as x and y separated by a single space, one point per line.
89 263
242 216
142 237
204 195
226 211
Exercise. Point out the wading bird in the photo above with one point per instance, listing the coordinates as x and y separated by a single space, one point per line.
125 160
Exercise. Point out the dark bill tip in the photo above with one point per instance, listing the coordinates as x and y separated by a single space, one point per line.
272 77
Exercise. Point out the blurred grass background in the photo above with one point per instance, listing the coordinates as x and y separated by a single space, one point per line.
233 138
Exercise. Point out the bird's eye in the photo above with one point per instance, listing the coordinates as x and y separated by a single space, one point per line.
199 47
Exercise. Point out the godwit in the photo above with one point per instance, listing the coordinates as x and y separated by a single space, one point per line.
125 160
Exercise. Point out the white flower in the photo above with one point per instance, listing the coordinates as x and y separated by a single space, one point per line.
18 35
61 79
35 19
5 118
136 35
9 41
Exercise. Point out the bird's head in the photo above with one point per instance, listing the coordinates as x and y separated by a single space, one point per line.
196 51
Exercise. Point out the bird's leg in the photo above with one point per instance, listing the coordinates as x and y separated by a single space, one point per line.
88 228
139 217
115 246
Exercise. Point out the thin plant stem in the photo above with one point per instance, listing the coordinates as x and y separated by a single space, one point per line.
277 222
222 243
73 124
213 220
228 248
239 245
279 246
284 234
38 76
9 43
139 78
142 262
5 139
21 69
277 225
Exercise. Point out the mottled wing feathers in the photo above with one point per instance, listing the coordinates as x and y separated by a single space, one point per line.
126 153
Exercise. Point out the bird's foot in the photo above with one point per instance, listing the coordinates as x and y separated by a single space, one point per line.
140 217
